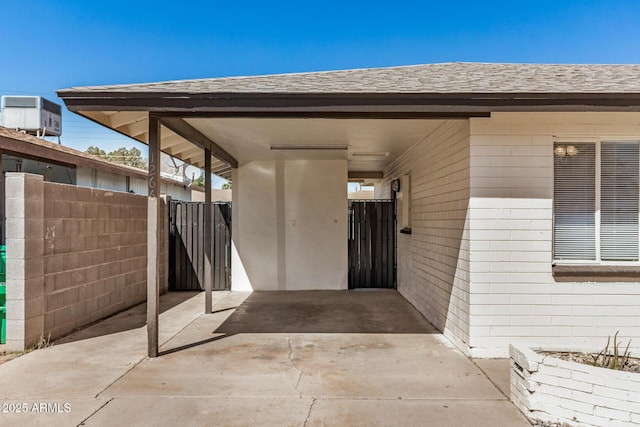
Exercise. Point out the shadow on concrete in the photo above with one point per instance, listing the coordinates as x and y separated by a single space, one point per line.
375 312
366 311
129 319
192 345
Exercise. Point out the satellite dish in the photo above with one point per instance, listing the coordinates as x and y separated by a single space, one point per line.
191 172
173 162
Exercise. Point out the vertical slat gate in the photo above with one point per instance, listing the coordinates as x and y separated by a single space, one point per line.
200 239
186 246
372 244
222 246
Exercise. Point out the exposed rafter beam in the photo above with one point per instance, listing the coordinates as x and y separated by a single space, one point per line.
172 141
123 118
189 151
222 171
194 159
365 175
196 137
135 129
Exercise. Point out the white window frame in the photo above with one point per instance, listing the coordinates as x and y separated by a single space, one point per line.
598 166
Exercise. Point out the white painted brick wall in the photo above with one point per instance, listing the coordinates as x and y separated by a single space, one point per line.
513 295
550 389
433 262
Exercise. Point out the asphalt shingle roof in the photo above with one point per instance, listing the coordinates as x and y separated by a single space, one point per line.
30 139
445 78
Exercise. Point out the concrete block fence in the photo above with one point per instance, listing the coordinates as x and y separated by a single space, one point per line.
552 390
75 255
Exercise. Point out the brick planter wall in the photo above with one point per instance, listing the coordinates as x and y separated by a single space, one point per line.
548 389
74 255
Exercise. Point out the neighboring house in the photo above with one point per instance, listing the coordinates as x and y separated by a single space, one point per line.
361 195
217 195
516 185
56 163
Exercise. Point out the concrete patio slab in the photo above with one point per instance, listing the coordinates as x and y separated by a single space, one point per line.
204 411
347 412
267 358
49 412
84 363
498 371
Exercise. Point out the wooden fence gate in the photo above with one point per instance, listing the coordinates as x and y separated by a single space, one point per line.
372 244
186 246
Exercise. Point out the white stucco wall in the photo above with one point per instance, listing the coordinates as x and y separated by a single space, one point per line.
176 192
290 225
513 295
433 268
87 177
93 178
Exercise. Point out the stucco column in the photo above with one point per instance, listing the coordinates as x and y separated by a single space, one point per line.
25 262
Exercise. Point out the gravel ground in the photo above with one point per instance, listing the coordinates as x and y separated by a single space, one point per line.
632 365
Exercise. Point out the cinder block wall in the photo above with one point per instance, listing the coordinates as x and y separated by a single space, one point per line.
76 255
25 266
433 261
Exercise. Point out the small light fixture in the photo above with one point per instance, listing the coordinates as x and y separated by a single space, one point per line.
308 147
370 154
569 150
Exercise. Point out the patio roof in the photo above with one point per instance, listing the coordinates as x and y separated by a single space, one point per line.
191 111
240 119
444 78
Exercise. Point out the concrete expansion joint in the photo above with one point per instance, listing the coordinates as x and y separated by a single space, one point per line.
82 423
491 380
133 365
306 421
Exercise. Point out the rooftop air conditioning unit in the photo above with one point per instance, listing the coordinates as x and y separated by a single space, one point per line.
32 114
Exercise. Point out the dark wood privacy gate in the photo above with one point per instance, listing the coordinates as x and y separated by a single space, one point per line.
186 246
372 244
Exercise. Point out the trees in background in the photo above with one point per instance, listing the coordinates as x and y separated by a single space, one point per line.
200 183
130 157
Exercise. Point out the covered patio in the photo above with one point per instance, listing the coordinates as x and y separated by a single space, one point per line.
290 143
469 151
266 358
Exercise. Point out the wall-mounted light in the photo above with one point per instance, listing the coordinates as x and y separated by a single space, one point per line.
566 150
308 147
370 154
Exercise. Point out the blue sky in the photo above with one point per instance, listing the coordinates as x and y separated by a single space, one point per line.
50 45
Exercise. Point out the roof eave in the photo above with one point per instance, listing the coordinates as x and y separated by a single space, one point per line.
241 104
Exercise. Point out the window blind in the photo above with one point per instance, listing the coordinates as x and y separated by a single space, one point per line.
574 204
619 201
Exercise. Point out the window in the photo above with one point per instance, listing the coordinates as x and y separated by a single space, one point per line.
596 202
